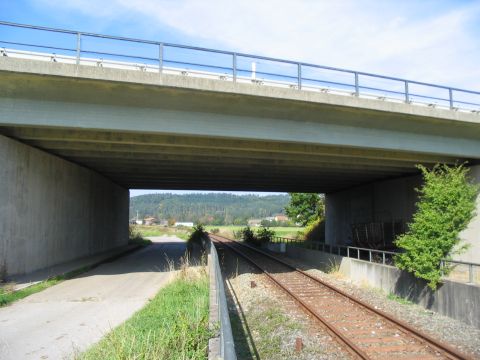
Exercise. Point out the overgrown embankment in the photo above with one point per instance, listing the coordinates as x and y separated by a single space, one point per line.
173 325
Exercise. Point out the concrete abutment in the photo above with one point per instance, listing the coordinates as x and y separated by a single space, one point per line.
387 202
53 211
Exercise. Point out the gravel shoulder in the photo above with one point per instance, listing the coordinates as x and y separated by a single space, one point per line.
67 318
266 323
465 338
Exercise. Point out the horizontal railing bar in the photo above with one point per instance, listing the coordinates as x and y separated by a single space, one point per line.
197 64
119 55
358 73
37 46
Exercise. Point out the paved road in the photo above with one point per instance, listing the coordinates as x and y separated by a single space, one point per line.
67 318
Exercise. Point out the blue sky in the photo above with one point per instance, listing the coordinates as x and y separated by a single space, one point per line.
432 40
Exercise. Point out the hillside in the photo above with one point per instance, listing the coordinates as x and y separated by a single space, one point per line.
214 209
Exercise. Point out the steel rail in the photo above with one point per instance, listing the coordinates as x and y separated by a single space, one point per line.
444 348
331 329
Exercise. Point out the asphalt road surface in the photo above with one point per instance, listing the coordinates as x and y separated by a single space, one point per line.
71 316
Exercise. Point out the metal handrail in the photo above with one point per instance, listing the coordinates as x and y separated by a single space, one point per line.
357 84
354 252
227 345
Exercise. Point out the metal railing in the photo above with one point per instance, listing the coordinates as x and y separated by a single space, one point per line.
103 50
226 349
462 271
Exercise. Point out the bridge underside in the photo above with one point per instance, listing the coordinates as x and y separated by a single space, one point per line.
76 138
139 160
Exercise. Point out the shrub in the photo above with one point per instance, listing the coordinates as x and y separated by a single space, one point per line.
264 235
248 235
445 207
215 230
198 236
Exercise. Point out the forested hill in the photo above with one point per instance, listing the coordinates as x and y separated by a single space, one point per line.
215 209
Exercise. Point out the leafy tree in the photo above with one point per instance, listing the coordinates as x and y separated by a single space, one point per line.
305 208
445 207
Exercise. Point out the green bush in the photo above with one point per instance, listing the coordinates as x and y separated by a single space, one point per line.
445 207
262 236
248 235
198 236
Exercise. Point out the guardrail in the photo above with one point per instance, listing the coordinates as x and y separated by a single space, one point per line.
104 50
462 271
222 347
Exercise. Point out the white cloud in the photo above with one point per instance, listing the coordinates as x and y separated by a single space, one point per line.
428 41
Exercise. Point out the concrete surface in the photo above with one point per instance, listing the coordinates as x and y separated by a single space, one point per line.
71 316
453 299
53 211
387 201
25 280
149 130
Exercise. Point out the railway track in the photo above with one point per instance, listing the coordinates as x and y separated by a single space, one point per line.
362 330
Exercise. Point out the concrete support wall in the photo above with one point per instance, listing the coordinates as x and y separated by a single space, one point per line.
452 299
387 201
53 211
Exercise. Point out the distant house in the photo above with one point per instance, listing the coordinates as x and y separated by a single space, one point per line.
150 220
254 222
163 222
186 224
281 217
139 222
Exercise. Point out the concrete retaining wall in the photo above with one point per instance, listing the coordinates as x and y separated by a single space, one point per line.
456 300
53 211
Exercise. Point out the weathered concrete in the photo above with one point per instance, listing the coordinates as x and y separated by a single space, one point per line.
53 211
158 130
456 300
387 201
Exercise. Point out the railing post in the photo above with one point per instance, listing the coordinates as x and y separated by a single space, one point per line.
407 95
357 87
160 57
383 257
358 254
234 67
370 255
450 97
79 44
299 76
470 273
348 251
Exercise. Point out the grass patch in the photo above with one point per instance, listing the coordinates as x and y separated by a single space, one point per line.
399 299
9 295
284 231
173 325
155 230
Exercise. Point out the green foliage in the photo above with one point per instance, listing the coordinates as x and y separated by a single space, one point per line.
215 230
248 235
135 236
314 231
265 235
174 325
305 208
210 209
198 236
445 207
261 236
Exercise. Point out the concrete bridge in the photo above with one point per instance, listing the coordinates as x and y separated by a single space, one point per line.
76 137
